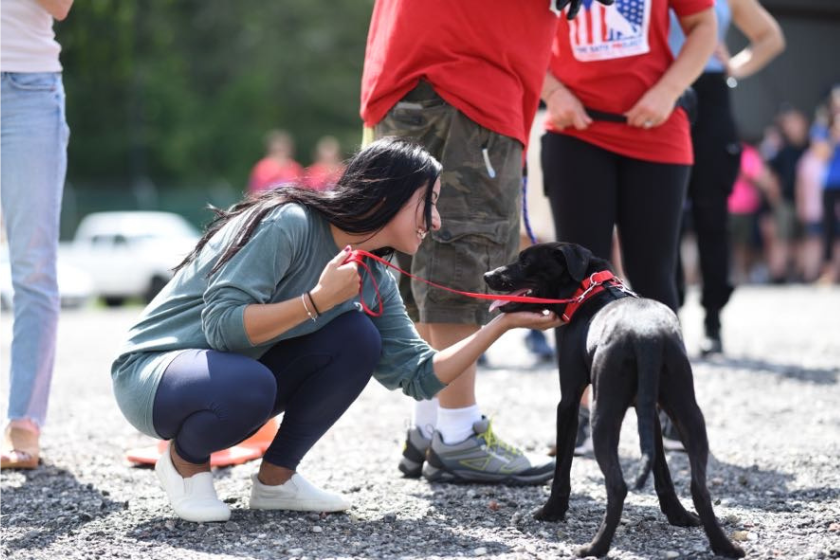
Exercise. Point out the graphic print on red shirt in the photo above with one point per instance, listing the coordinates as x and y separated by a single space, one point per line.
609 57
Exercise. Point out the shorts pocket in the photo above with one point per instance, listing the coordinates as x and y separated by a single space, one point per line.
454 230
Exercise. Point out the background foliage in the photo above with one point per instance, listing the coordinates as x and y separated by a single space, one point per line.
181 92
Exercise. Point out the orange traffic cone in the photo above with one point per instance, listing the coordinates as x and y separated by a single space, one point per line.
252 448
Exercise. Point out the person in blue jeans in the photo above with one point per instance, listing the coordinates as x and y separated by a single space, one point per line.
264 316
34 163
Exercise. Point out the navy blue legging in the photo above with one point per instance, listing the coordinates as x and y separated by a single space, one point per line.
209 400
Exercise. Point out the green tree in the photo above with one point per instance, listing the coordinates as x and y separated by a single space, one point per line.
182 92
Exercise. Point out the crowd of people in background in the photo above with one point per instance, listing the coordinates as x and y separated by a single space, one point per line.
279 167
783 207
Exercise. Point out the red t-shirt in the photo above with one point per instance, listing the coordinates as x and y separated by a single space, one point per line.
269 173
487 58
609 56
322 177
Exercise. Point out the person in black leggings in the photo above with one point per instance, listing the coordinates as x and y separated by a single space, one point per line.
717 159
617 151
717 149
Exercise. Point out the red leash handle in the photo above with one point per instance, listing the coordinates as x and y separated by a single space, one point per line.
358 256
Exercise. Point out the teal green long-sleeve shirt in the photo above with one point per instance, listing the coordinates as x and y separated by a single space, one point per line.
283 259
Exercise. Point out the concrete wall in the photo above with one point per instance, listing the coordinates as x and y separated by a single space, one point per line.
802 74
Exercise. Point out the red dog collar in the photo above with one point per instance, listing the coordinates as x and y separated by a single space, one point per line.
595 284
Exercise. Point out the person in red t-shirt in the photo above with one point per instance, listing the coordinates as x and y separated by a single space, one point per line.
325 172
614 64
278 167
617 153
463 79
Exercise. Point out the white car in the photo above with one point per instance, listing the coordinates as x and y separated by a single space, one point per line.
129 254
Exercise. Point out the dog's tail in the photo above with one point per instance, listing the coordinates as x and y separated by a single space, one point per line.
648 364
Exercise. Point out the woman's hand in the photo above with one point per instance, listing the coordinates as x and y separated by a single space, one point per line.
564 109
338 282
653 109
530 320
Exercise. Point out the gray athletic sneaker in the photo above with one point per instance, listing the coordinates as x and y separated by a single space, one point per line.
484 458
414 453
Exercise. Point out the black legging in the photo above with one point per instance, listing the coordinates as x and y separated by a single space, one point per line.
592 190
831 230
717 157
208 400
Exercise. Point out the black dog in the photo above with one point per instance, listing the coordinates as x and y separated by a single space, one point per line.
630 349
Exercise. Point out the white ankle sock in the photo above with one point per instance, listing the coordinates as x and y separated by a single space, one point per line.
425 416
456 424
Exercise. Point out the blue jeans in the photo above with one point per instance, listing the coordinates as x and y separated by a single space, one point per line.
34 163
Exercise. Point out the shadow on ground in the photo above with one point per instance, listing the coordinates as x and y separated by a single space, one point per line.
64 507
819 376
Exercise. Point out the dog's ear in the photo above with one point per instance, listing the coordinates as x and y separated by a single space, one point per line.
577 260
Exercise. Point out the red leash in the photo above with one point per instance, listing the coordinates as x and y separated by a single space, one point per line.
589 287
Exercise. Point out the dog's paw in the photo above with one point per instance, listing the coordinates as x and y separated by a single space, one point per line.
684 519
730 550
591 550
546 513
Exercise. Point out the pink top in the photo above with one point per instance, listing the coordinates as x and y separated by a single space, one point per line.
745 198
810 176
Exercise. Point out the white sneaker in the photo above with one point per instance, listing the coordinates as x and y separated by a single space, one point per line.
296 494
192 498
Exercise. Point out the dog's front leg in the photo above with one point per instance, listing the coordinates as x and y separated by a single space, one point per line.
567 424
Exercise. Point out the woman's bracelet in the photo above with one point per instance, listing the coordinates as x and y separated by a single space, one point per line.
308 312
315 307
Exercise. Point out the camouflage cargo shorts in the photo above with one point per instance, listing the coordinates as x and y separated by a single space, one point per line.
479 213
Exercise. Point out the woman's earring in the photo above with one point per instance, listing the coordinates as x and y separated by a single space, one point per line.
422 233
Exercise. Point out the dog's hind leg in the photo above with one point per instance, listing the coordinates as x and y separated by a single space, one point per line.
682 406
669 503
606 428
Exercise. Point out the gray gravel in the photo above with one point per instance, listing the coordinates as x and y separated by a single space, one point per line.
772 408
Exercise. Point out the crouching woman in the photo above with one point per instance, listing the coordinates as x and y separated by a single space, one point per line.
263 317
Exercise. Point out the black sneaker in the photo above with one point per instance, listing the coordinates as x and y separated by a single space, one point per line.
583 440
537 344
711 343
670 436
414 453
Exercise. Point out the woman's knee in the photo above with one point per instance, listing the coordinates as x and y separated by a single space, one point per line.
357 336
255 390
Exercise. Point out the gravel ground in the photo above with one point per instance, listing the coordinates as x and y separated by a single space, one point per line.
772 407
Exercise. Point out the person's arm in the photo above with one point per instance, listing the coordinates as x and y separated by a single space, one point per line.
451 362
768 183
765 36
656 105
338 283
564 109
58 9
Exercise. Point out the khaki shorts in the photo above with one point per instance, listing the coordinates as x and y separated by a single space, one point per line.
785 216
479 213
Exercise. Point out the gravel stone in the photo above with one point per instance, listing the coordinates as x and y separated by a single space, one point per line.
772 409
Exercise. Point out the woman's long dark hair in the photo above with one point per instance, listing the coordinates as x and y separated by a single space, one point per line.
377 183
